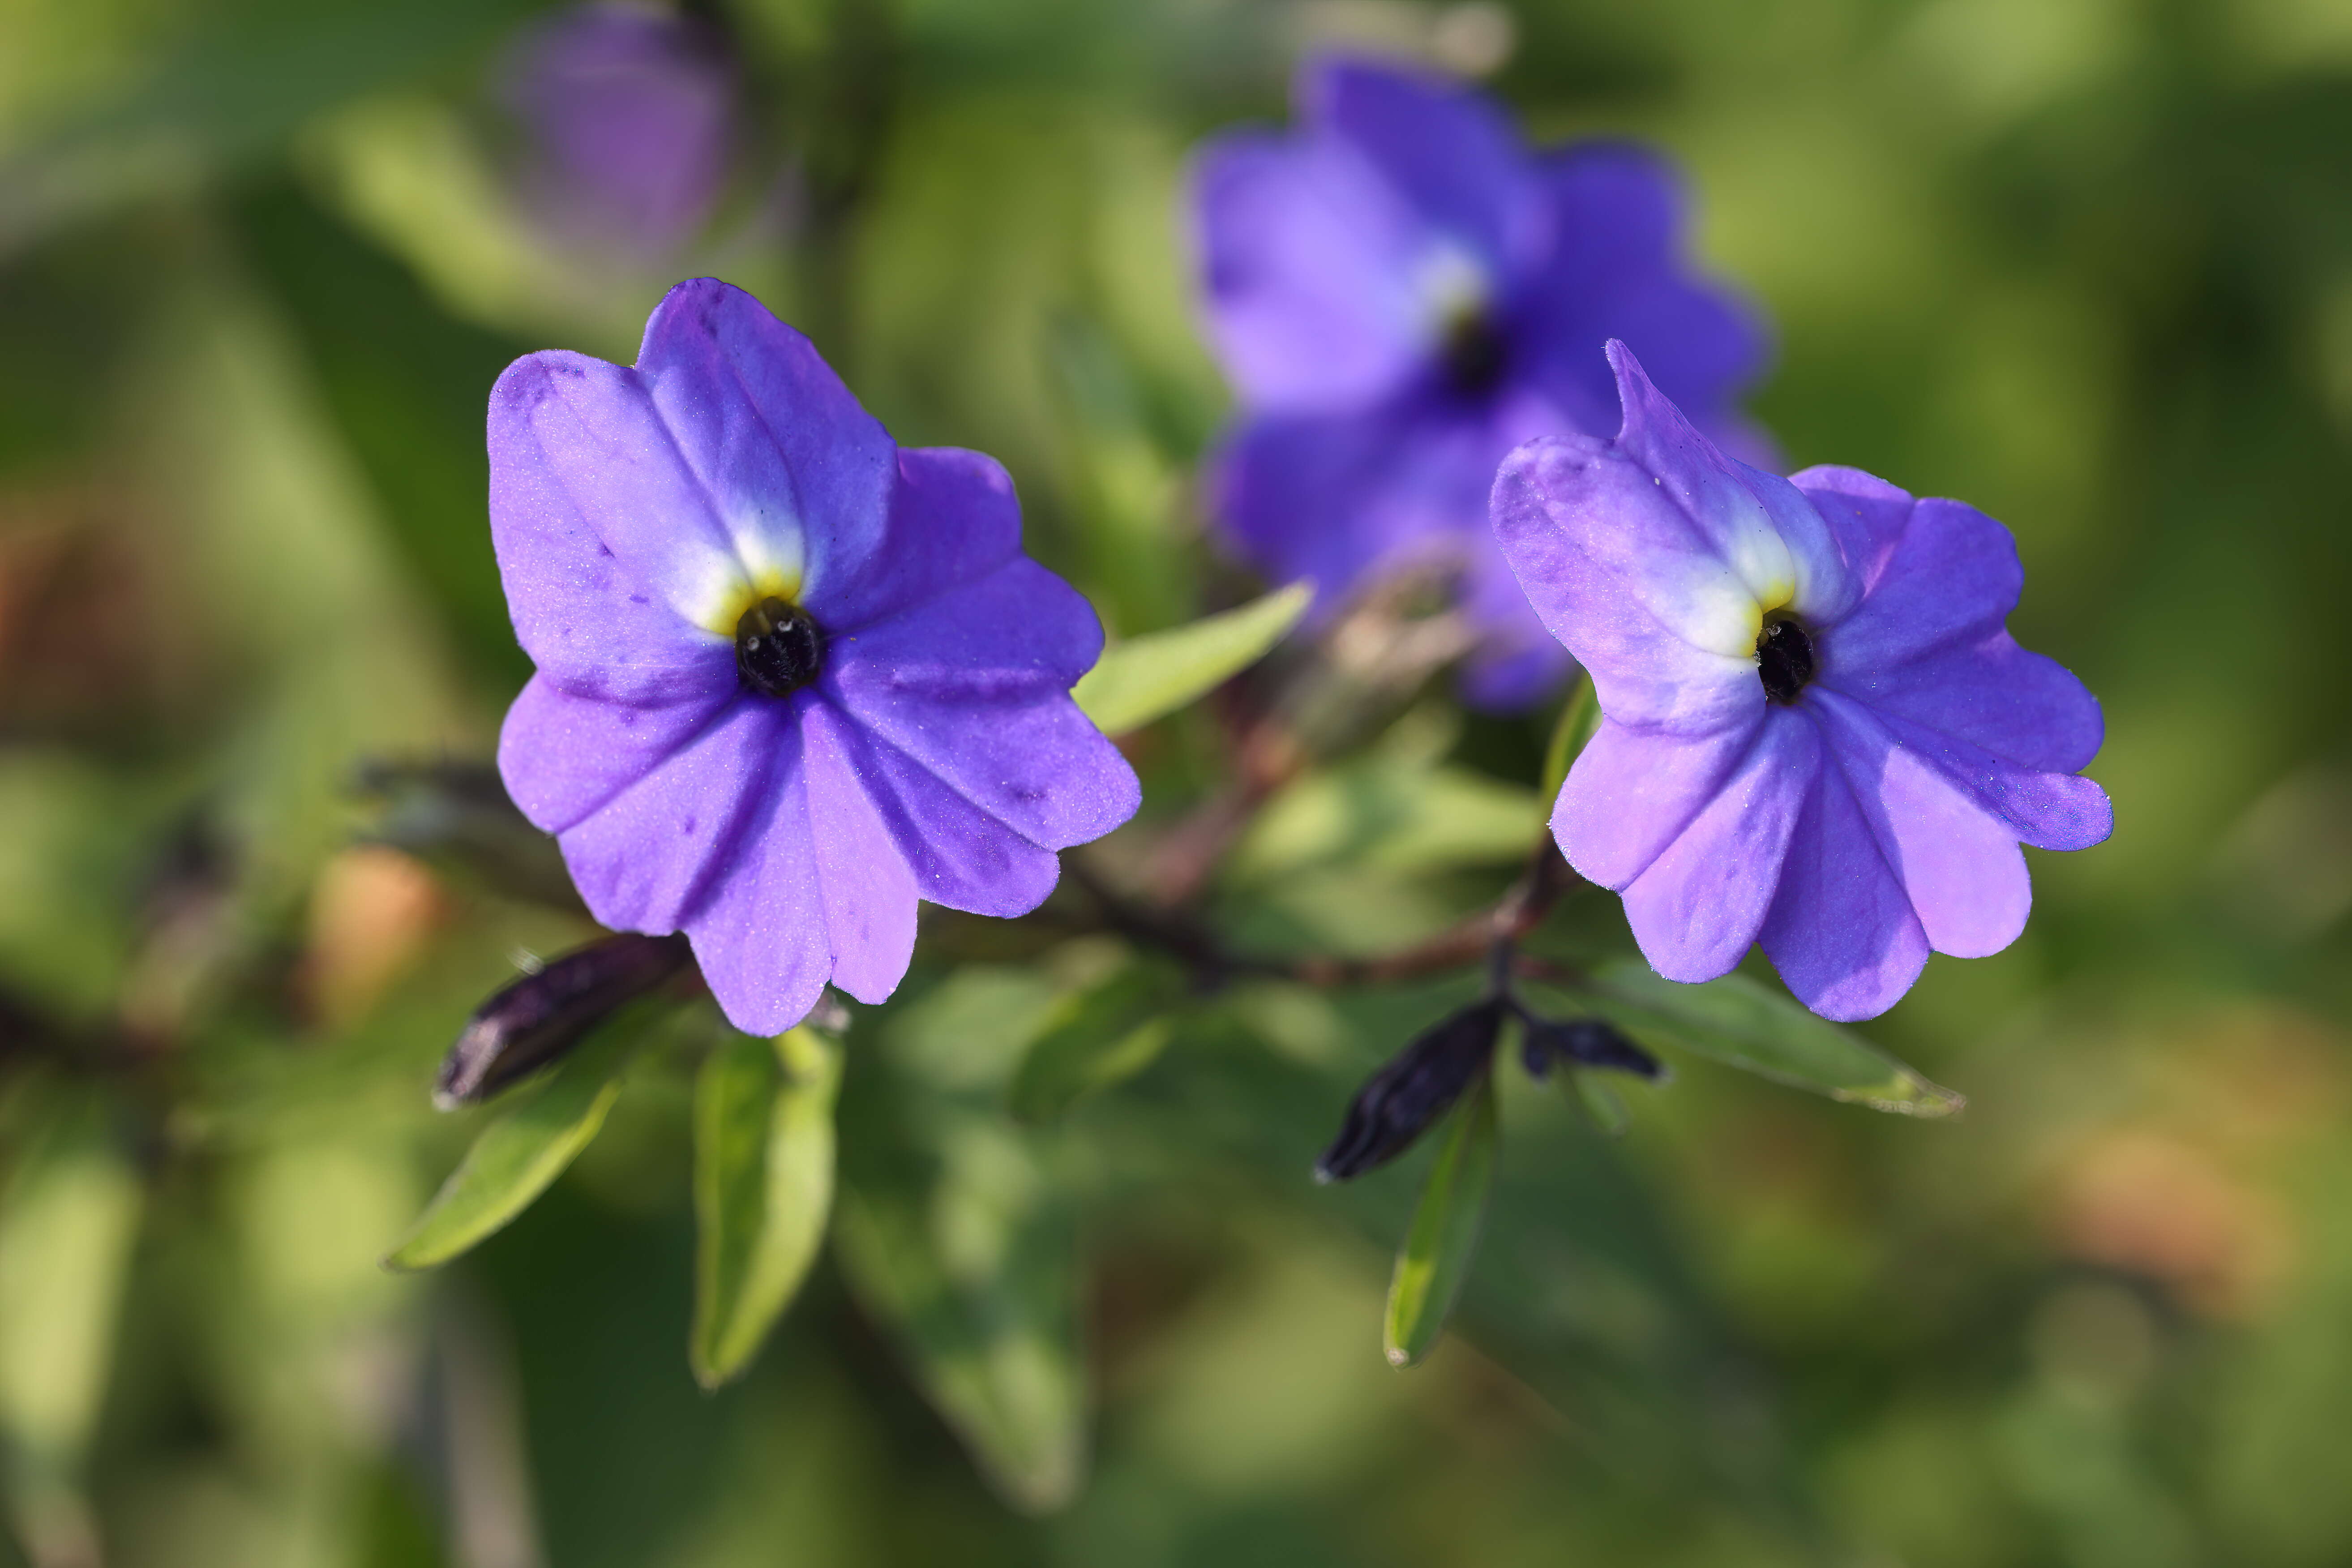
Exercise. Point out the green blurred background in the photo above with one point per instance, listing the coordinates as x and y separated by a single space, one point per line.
2086 263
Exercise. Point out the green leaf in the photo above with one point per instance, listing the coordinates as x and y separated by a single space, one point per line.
1391 816
67 1222
231 91
1580 718
1149 677
524 1148
1603 1106
974 1271
1093 1038
764 1145
1736 1021
1437 1250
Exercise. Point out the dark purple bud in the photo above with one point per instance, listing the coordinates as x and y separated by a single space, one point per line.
1416 1087
542 1015
1585 1042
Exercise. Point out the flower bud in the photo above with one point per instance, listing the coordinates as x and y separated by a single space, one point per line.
1416 1087
1584 1042
541 1016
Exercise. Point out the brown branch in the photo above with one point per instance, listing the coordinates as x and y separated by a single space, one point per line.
1491 936
1354 671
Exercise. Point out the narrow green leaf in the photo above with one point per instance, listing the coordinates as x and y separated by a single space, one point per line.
1151 676
974 1275
1392 816
519 1154
763 1144
1437 1250
233 89
1736 1021
67 1222
1603 1106
1093 1038
1579 717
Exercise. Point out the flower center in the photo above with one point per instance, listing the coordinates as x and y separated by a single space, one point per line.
1784 658
1473 353
779 647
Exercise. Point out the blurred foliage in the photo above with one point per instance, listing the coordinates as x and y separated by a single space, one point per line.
2087 263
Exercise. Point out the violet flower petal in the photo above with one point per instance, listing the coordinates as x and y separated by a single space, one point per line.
804 492
1758 525
975 688
1959 864
644 861
1841 931
1446 150
1632 791
1866 514
868 889
1950 581
603 538
1509 674
1629 278
2046 809
1622 580
564 757
1308 259
761 934
631 118
962 856
953 520
2021 706
1317 497
1697 907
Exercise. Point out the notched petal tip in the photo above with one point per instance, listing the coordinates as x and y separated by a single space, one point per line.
1633 385
704 299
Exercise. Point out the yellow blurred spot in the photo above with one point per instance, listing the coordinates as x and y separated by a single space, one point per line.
371 912
2157 1205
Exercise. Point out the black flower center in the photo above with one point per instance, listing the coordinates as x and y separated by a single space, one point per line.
1473 354
779 647
1784 657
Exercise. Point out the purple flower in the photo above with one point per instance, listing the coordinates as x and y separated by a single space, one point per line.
1818 732
1403 292
629 121
790 678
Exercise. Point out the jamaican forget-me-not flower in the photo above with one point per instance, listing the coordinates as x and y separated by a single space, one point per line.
790 677
1401 292
1818 733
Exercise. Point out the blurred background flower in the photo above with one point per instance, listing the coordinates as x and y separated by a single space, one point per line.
1401 292
628 124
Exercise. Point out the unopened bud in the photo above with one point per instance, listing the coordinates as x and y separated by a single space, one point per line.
543 1015
1416 1087
1583 1042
